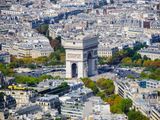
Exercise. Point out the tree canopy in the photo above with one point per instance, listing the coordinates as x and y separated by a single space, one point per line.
136 115
127 56
6 70
90 84
31 80
118 104
106 85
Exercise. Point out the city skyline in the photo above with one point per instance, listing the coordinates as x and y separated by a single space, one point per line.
79 59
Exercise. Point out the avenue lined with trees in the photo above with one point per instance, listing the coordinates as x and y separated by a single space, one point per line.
129 57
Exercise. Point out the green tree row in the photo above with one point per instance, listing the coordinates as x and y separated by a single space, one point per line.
154 73
136 115
117 57
31 80
55 58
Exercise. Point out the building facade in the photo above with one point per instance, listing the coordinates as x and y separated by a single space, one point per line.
152 52
48 102
33 50
22 97
104 51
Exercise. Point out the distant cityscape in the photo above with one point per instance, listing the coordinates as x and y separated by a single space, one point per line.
79 59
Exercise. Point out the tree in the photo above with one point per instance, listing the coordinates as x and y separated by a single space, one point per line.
126 61
103 60
27 60
118 104
26 79
31 80
116 109
106 85
44 77
64 85
117 57
146 63
155 74
6 70
136 115
125 105
136 56
150 63
115 102
144 75
43 29
102 95
54 58
130 52
31 66
90 84
152 73
41 60
138 62
155 63
113 99
127 55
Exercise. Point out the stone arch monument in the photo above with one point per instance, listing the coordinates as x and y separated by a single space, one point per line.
81 56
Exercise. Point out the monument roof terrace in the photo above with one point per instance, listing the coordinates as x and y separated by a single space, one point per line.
81 42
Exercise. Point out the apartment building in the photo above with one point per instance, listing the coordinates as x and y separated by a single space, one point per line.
152 52
22 97
74 109
33 50
104 51
48 102
149 83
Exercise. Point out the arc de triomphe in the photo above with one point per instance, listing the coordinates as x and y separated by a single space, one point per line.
81 56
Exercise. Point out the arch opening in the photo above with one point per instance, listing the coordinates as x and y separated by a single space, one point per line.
89 62
74 70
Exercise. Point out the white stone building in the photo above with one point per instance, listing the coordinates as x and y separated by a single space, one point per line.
22 97
48 102
152 52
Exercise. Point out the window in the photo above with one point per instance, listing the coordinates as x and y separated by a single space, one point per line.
95 52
